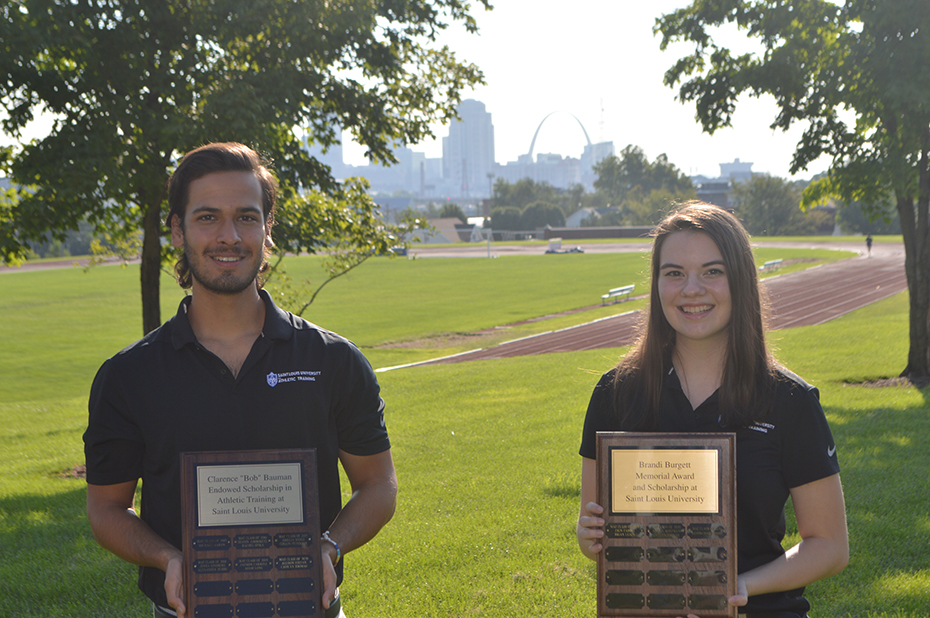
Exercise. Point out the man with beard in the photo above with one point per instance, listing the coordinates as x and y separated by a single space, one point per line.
208 380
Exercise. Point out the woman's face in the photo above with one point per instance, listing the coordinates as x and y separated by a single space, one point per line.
693 287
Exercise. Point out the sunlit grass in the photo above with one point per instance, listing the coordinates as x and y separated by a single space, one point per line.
486 452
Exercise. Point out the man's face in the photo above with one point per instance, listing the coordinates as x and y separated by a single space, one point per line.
224 232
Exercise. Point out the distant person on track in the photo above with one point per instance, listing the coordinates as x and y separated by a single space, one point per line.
868 244
702 365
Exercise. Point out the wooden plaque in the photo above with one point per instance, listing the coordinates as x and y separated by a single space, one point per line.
670 524
251 533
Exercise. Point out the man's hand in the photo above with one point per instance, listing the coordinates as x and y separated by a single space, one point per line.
174 585
328 555
116 527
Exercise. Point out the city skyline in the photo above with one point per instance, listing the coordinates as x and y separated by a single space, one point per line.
600 63
467 168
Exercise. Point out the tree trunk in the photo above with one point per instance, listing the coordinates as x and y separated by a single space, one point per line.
915 226
918 355
150 270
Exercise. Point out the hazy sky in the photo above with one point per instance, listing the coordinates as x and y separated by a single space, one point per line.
599 61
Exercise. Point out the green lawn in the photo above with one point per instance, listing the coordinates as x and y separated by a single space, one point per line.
486 452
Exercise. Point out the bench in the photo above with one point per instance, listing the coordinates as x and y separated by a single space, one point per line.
771 264
616 293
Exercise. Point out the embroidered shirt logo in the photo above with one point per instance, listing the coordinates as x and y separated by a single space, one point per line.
762 427
284 377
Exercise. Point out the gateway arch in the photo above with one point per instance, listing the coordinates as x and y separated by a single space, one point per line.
549 115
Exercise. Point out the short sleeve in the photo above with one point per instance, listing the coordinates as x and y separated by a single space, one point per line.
359 408
113 445
808 450
600 415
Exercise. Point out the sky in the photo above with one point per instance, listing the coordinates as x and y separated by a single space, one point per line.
597 60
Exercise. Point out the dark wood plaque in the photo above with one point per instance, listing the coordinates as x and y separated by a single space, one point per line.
251 528
670 524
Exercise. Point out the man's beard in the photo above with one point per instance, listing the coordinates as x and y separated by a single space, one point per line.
225 283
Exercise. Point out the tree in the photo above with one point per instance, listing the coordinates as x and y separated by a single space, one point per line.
618 176
506 218
522 193
641 191
132 84
350 229
855 74
769 206
452 210
852 218
541 214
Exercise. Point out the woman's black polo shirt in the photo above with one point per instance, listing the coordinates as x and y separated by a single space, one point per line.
792 447
300 387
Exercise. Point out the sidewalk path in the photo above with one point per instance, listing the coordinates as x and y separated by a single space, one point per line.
802 298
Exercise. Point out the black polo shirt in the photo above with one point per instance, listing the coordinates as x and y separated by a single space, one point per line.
300 387
792 447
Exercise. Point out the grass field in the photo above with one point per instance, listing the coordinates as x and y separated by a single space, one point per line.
486 452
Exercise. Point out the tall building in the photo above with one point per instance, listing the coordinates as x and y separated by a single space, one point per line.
593 154
468 151
717 190
333 155
736 171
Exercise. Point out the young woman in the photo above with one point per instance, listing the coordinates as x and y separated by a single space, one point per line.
702 365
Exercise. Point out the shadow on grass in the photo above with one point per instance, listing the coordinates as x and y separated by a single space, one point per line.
885 455
53 567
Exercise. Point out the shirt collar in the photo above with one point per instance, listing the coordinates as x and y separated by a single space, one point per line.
278 323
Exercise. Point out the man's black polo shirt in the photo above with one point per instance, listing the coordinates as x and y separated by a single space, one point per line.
792 447
300 387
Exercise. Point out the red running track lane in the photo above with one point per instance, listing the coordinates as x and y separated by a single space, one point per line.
803 298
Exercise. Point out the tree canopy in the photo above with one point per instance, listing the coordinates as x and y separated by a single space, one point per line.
505 218
854 74
769 206
641 191
522 193
451 210
619 175
540 214
131 85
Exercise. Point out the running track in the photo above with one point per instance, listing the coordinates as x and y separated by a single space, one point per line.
803 298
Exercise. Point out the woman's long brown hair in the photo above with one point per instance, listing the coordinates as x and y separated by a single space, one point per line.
748 374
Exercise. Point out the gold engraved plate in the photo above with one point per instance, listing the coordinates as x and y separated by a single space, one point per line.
664 481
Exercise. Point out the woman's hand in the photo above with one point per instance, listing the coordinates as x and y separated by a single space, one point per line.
739 599
742 595
590 529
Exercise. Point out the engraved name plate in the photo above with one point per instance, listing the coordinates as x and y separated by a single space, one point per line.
670 512
251 528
